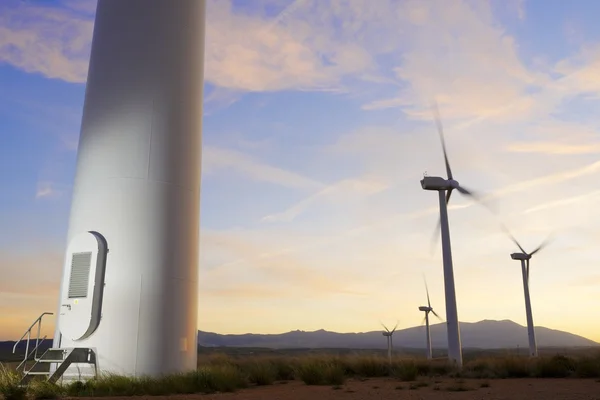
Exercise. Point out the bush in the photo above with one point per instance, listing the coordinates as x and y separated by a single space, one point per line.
261 373
284 369
44 390
513 367
369 367
588 367
557 366
406 371
9 384
316 371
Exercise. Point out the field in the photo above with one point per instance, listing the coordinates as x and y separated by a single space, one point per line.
332 374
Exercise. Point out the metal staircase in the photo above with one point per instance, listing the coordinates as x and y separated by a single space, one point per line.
63 358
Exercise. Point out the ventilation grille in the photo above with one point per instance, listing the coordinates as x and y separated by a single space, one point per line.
80 275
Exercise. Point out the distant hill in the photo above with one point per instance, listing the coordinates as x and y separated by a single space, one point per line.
486 334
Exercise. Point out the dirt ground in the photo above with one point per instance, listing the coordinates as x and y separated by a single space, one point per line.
513 389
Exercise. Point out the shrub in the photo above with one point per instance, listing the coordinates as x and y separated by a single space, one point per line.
284 369
512 367
44 390
316 371
261 373
588 367
406 370
557 366
369 366
9 384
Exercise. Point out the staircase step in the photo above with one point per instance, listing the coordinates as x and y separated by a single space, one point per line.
37 373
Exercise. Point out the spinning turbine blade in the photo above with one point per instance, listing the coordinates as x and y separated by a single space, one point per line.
438 317
438 228
541 246
512 238
438 122
394 330
424 319
385 327
427 290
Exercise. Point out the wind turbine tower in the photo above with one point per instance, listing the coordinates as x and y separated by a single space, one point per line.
387 333
428 309
129 289
444 187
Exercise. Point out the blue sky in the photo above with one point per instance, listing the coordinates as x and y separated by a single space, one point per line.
316 134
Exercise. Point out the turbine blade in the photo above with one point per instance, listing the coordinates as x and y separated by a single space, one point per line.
438 227
394 330
544 244
385 327
479 198
438 317
427 290
424 319
438 122
512 238
435 236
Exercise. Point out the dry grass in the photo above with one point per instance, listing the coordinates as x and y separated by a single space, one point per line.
221 373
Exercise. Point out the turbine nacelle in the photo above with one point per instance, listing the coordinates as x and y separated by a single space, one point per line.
425 308
438 183
386 333
520 256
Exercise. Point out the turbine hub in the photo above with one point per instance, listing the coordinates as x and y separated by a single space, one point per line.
453 183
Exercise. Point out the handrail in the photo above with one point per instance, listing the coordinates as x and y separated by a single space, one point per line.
27 333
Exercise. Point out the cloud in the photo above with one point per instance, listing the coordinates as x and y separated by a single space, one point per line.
48 40
305 46
548 180
458 54
554 148
47 189
218 158
253 267
336 193
564 202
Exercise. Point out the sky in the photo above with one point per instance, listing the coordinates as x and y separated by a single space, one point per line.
317 131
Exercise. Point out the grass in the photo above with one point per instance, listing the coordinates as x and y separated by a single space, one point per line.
225 373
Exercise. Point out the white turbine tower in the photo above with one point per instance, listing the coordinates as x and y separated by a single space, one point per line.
387 333
129 288
445 187
524 257
428 309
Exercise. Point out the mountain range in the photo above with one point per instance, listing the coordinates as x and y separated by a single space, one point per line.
486 334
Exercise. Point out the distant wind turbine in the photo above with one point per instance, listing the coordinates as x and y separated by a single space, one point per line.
387 333
428 309
524 257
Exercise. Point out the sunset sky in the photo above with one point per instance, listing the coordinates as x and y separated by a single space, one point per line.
316 134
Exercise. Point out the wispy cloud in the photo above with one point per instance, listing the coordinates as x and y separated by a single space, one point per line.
281 268
43 39
554 148
564 202
218 158
47 190
336 194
